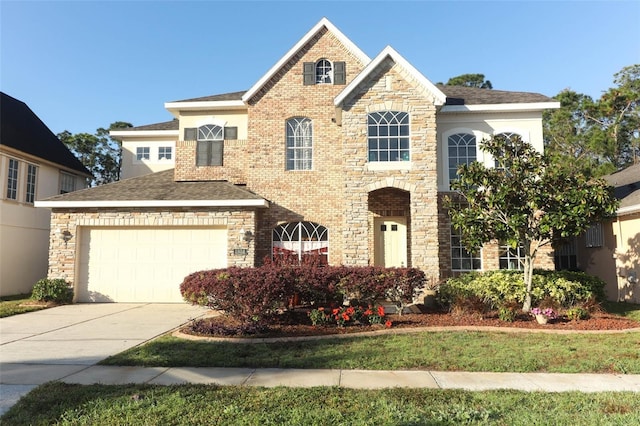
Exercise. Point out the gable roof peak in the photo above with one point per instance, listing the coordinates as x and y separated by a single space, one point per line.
390 52
323 23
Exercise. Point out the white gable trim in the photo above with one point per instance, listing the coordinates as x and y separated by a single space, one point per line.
324 23
153 203
175 107
439 97
140 133
536 106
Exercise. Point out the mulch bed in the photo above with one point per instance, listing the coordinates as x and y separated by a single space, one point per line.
296 323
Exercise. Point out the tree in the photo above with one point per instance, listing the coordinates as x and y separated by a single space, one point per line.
98 152
525 200
470 80
601 136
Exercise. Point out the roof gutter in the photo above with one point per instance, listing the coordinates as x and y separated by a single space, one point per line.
152 203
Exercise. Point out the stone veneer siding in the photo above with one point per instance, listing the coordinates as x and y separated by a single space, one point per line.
392 88
63 257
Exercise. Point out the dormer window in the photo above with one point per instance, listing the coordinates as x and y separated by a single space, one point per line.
324 72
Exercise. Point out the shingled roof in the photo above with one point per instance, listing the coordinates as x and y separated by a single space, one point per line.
157 189
460 95
627 186
232 96
21 129
165 125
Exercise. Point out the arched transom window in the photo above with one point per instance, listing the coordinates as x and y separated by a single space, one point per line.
301 239
299 144
508 137
210 142
324 72
388 136
462 150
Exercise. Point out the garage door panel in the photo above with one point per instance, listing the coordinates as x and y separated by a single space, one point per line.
145 264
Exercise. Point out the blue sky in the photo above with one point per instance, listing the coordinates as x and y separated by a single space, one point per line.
81 65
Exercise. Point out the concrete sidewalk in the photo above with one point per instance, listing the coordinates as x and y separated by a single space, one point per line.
22 374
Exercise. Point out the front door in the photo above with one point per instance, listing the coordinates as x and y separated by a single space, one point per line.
390 235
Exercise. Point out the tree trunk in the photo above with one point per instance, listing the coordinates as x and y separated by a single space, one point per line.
528 275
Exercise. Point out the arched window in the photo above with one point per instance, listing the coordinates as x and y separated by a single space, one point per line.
301 239
462 150
299 144
508 137
388 136
210 145
324 72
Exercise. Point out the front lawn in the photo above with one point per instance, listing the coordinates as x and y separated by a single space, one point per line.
18 304
440 351
58 403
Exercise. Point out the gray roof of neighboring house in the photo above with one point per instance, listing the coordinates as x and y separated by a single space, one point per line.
22 129
159 186
165 125
627 185
232 96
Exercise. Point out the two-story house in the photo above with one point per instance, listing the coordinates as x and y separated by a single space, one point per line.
330 152
34 164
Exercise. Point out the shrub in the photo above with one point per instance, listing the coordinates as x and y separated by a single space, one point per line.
577 313
52 290
494 288
253 293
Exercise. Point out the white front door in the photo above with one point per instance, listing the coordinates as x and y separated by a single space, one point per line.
390 235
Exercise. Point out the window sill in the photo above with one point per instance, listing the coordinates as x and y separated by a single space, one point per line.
389 165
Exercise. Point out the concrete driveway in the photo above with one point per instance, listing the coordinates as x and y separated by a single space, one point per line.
46 345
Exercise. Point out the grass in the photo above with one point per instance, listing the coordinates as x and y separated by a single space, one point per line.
14 305
64 404
440 351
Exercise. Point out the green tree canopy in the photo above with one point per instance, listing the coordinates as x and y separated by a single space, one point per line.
525 200
597 137
99 153
470 80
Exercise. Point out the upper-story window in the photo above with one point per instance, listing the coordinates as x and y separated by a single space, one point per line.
324 72
388 136
30 195
142 153
210 145
508 136
299 144
462 150
67 183
12 180
164 153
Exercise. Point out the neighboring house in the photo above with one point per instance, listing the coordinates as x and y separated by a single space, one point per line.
34 164
611 249
329 152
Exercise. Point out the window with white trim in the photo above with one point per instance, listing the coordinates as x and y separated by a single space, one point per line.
324 72
508 136
12 179
142 153
511 258
67 183
462 259
462 150
388 136
301 239
299 144
164 153
210 145
30 195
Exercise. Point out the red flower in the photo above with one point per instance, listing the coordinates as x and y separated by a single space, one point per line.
335 311
388 324
368 312
351 310
381 311
345 316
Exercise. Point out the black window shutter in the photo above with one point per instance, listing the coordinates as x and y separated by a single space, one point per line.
339 73
190 134
309 73
217 149
230 133
202 153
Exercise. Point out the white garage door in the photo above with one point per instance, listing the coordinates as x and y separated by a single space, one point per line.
145 264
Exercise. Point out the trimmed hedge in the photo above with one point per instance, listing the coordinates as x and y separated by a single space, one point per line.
52 290
497 288
253 293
